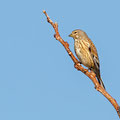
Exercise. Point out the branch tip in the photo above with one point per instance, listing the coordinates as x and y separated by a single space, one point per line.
44 11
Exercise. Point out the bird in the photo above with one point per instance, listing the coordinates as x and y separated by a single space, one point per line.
86 52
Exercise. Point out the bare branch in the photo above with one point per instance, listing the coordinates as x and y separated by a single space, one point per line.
77 65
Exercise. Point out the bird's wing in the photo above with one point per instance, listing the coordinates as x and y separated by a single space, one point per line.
95 58
94 55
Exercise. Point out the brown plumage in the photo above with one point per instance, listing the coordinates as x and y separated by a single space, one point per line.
86 52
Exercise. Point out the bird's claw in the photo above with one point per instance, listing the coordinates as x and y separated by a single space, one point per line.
86 70
76 65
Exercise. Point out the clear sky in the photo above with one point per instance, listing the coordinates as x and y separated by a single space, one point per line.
37 77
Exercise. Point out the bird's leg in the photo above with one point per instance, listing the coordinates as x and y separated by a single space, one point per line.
93 74
86 70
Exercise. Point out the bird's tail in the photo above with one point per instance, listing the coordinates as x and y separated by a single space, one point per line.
100 81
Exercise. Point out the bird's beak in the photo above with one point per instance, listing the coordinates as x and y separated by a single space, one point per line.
71 35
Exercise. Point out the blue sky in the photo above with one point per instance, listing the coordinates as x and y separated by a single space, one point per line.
37 77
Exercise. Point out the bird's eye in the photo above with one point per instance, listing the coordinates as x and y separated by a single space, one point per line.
75 32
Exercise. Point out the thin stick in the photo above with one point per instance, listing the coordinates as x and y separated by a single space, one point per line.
77 65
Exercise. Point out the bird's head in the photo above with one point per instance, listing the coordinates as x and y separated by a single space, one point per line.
78 34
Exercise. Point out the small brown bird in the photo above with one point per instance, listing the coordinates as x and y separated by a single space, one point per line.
86 52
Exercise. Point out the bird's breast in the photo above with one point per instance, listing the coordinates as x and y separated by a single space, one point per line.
83 53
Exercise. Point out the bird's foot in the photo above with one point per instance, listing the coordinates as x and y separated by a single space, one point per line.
86 70
76 65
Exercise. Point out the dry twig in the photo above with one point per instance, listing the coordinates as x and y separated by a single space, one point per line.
77 65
